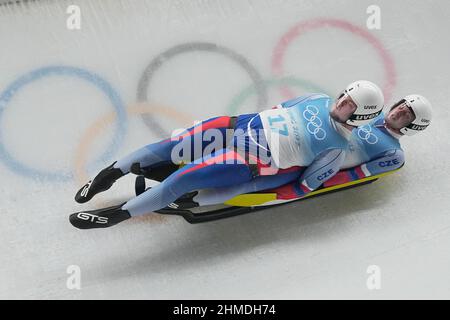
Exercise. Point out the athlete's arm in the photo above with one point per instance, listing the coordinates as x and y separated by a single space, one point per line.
389 160
323 168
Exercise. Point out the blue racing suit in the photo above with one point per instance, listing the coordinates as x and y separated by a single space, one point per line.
301 143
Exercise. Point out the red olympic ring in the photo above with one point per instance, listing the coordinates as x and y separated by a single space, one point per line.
306 26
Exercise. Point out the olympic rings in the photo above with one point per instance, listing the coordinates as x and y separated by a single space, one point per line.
314 126
239 99
365 133
306 26
259 87
158 61
7 95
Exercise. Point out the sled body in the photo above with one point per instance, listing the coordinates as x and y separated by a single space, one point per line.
244 203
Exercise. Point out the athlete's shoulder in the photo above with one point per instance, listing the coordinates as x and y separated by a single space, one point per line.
375 138
308 98
316 96
378 124
378 121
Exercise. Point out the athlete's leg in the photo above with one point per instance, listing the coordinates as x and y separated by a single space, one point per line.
220 195
193 140
191 143
224 168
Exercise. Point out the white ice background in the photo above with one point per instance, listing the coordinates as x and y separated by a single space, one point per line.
319 248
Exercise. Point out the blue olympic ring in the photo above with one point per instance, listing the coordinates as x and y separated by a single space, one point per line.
7 95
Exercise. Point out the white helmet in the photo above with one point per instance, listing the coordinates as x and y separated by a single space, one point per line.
369 100
421 108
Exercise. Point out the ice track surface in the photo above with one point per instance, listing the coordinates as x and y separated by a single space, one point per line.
72 101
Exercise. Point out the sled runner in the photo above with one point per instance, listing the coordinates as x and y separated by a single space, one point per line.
241 204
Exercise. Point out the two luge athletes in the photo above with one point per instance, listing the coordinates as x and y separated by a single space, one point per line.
291 149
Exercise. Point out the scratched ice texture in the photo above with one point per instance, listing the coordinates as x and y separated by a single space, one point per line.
72 101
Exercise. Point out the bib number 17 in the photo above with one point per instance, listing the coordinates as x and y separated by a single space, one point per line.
278 124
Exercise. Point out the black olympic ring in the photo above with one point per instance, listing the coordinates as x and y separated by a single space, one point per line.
158 61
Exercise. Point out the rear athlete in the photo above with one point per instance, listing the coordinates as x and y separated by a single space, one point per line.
375 148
